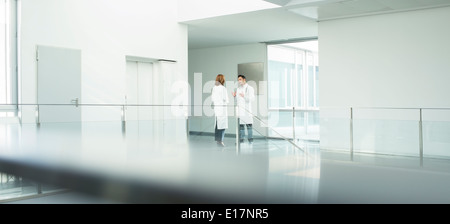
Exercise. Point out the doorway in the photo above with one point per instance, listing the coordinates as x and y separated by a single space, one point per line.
293 76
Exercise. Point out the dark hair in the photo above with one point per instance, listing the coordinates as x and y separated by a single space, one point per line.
242 76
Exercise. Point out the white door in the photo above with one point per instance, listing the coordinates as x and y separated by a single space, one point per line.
59 84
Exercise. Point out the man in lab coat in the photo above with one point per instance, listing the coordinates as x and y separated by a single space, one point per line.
244 95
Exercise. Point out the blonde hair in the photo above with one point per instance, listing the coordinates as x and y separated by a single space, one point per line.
220 79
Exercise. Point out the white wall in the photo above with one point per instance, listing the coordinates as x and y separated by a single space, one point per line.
390 60
221 60
105 31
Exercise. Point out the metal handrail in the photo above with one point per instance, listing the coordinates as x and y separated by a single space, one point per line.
393 108
293 108
93 104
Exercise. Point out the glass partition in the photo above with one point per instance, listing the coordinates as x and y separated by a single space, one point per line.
307 125
335 124
86 133
98 137
436 132
295 124
416 132
386 131
282 123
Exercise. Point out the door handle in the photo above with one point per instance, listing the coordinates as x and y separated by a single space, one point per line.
75 101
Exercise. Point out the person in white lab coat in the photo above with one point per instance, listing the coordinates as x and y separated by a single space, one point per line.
244 95
219 98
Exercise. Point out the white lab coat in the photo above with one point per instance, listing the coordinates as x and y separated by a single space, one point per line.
219 98
245 103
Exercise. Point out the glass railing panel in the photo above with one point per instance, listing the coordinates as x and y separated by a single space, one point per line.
102 113
264 159
313 126
279 134
386 131
55 132
307 125
12 140
13 187
281 123
58 113
109 137
436 132
335 124
202 120
280 142
155 128
301 123
103 134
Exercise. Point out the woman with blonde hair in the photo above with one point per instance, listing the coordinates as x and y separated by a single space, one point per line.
219 99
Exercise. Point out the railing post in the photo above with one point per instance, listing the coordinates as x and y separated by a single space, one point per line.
39 188
187 126
123 120
293 124
420 138
351 132
38 121
238 141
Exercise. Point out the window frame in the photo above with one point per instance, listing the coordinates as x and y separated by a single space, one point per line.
302 91
9 107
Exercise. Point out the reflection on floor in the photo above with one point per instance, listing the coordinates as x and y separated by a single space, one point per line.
13 188
63 197
310 175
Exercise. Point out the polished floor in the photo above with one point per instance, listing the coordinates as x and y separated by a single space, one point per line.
270 171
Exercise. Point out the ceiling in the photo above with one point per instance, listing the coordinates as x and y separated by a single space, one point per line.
292 20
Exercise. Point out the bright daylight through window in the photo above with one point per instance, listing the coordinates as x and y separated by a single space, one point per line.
8 74
4 84
293 74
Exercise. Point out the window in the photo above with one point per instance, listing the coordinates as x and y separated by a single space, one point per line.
8 68
3 56
293 75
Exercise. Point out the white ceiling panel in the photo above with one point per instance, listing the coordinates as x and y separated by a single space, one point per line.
333 9
365 6
251 27
405 4
295 19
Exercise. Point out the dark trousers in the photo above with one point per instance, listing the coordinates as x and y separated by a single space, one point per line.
249 131
219 134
